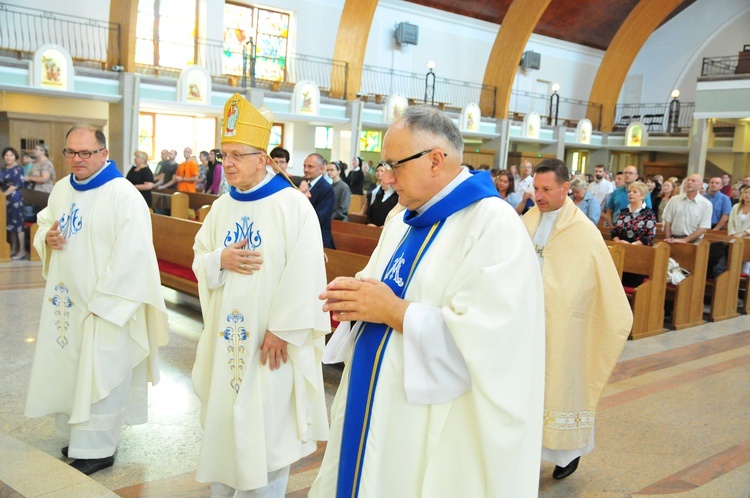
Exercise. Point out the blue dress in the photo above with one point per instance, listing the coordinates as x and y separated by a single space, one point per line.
14 202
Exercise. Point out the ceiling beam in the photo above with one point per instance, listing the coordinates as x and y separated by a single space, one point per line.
351 42
518 24
630 38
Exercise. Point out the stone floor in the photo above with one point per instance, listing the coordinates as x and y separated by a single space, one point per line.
674 419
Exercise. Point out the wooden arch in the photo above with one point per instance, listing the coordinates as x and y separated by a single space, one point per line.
518 24
351 42
630 38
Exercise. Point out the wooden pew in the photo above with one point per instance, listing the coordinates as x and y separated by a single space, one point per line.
343 264
745 281
687 296
39 200
724 289
647 300
173 243
354 243
356 229
4 246
357 202
618 257
357 218
178 203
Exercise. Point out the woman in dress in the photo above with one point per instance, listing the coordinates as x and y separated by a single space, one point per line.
141 176
739 221
43 171
667 191
505 185
582 198
11 184
635 224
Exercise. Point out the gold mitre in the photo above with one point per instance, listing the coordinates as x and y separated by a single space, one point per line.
245 124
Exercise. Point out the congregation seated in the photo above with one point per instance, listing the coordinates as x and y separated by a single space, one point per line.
739 221
635 224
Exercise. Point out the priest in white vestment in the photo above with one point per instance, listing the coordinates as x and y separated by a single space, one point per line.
103 315
443 387
588 316
260 266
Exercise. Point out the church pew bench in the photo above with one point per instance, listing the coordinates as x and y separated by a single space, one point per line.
618 257
356 229
745 281
724 289
177 204
4 246
39 200
355 205
357 218
343 264
173 244
646 300
687 296
354 243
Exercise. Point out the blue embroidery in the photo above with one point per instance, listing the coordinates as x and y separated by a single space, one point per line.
244 231
62 304
235 335
393 271
71 224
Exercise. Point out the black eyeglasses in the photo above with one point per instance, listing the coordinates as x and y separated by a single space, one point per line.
83 154
391 167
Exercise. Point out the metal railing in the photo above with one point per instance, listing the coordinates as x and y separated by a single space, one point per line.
378 82
569 111
727 65
655 117
23 30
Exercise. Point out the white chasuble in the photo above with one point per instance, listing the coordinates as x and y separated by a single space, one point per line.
481 273
588 321
255 420
103 312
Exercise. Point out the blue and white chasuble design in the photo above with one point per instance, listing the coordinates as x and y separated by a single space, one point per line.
372 339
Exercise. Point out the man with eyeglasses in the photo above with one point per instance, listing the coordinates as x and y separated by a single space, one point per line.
260 265
444 381
619 198
103 315
322 195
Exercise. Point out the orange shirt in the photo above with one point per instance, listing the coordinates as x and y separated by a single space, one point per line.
188 169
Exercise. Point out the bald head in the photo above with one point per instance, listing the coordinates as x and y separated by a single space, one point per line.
692 184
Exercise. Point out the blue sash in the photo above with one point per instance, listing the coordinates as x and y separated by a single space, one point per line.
278 182
108 172
372 339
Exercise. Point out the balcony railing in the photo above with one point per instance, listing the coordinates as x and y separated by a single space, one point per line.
727 65
654 116
378 82
90 41
569 111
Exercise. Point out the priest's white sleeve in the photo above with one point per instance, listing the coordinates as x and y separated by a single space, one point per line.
434 369
215 275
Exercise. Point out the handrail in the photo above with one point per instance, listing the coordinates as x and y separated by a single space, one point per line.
23 30
654 116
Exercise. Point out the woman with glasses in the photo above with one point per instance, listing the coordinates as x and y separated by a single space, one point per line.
11 184
43 171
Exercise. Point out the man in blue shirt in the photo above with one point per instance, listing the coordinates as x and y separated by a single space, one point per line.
722 204
619 198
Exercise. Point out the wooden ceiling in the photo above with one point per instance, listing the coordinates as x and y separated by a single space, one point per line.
593 23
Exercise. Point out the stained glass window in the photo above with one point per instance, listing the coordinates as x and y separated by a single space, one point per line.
323 137
146 134
269 32
370 141
165 33
277 136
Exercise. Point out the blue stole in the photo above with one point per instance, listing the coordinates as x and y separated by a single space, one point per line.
278 182
108 172
372 338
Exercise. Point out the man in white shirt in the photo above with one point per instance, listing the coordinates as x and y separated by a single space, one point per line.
600 188
687 216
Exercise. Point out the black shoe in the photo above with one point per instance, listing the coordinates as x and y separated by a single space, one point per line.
64 451
563 472
89 466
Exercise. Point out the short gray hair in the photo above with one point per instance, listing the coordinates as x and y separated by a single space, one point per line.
578 183
435 124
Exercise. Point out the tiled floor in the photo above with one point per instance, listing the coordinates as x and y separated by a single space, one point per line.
674 419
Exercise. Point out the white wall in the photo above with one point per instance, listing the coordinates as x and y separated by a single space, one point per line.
672 57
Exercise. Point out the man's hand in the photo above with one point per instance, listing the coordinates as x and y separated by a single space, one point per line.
272 350
675 241
368 300
54 237
235 258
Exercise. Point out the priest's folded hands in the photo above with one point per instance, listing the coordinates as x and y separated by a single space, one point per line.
367 300
239 260
54 237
